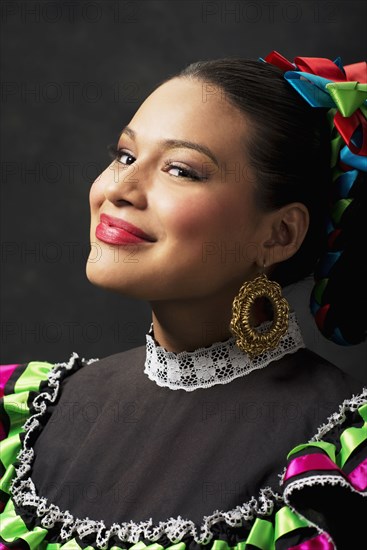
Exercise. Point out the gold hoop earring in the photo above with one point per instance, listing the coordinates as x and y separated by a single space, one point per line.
248 339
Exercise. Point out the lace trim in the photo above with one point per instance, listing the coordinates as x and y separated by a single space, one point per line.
219 363
335 419
348 405
320 480
24 493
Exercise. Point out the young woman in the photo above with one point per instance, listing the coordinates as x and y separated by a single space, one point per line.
224 430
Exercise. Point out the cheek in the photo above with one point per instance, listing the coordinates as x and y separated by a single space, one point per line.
202 216
221 228
194 217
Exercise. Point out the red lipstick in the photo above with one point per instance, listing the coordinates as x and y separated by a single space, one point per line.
113 230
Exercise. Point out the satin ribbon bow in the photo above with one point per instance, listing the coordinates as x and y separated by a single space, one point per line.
325 83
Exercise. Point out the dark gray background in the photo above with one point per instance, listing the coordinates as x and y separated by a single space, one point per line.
73 73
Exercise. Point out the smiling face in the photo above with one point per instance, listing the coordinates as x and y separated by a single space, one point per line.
181 178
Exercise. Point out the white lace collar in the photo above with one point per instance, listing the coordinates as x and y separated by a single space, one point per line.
219 363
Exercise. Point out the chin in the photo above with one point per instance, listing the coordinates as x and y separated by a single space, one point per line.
99 275
123 283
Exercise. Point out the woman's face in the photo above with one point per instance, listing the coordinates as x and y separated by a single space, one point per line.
182 179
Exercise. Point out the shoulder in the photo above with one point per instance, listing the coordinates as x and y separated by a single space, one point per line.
309 375
18 377
20 383
109 365
28 389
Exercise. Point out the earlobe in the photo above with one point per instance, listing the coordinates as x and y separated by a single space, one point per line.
288 229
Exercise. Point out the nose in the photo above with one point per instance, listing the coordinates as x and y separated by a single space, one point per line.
124 186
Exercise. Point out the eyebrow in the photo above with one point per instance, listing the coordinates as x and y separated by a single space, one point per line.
176 144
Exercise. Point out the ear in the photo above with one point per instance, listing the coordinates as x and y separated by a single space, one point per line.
286 231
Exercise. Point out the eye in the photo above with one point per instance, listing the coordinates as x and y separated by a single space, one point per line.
129 159
182 172
120 155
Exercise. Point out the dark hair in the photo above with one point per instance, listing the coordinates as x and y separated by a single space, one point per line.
289 150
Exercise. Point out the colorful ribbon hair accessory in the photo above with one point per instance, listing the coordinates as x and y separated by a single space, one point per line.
325 83
343 91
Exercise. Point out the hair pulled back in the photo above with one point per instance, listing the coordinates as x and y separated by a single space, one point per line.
289 151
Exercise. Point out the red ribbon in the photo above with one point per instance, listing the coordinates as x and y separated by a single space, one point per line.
346 127
320 66
325 68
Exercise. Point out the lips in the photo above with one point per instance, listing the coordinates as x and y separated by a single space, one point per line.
117 231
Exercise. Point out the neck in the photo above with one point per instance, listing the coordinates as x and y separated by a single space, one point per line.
185 327
191 324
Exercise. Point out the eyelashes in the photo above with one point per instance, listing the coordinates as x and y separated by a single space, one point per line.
184 172
115 154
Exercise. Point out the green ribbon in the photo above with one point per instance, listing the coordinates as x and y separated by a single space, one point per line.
319 290
287 521
352 437
328 448
13 527
15 406
262 535
337 143
348 96
9 449
177 546
139 546
219 545
73 545
6 480
31 378
339 208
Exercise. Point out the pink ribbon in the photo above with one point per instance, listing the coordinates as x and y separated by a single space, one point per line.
309 462
5 373
317 543
358 476
317 461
